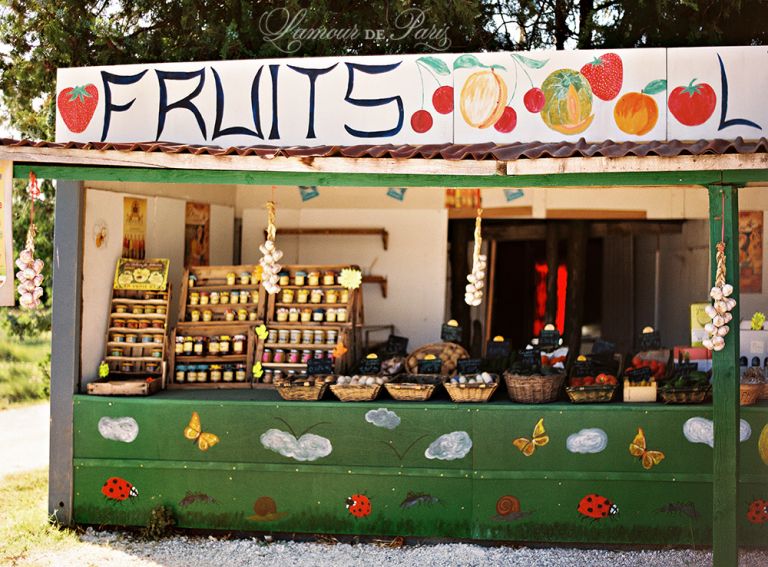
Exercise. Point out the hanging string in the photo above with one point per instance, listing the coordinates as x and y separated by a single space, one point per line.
720 247
33 190
271 218
478 237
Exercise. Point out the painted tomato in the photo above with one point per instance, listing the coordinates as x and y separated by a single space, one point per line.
692 105
568 109
596 507
118 489
77 105
358 505
605 75
636 113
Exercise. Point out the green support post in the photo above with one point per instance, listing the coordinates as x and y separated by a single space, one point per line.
724 212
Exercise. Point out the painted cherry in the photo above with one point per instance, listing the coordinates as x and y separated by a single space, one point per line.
421 121
442 99
534 100
507 122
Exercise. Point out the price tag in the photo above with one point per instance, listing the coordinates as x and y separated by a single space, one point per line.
583 368
370 366
686 368
469 366
323 366
638 374
549 339
601 346
430 366
497 349
397 345
451 334
650 341
531 357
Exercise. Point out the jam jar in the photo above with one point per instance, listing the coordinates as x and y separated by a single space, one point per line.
230 315
329 278
156 352
205 298
295 336
151 366
120 308
213 346
285 278
316 296
245 278
306 315
313 278
341 315
224 298
118 323
253 316
331 296
318 315
225 344
191 280
242 314
228 373
215 373
302 295
180 375
266 356
238 344
117 338
234 297
231 278
207 315
158 324
194 315
272 336
240 372
199 346
293 315
189 345
299 278
344 296
131 338
293 356
287 296
279 355
116 351
245 296
330 315
215 298
282 314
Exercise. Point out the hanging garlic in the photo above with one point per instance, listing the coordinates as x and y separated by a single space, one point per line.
30 273
473 292
723 304
271 255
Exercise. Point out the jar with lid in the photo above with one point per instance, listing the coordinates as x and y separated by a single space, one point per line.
192 373
331 296
284 278
151 367
316 296
344 296
329 278
302 295
293 356
287 296
215 373
117 338
272 336
191 280
267 376
189 345
306 315
242 314
306 336
229 315
293 315
279 355
277 376
215 298
331 336
228 373
126 366
245 278
132 323
283 336
266 356
118 323
202 372
240 372
305 355
319 336
341 315
295 336
320 355
318 315
253 316
238 344
313 278
148 338
131 338
194 315
282 314
137 310
225 342
207 315
231 278
205 298
199 346
161 310
149 310
244 296
299 278
120 308
116 351
158 324
156 352
224 297
213 346
180 375
157 338
234 296
330 315
146 323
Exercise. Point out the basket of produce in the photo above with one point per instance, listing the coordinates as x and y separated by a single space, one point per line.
413 387
590 394
593 379
472 388
448 353
533 388
686 387
751 387
357 388
304 389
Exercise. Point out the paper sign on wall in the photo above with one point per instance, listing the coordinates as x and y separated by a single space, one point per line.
134 227
141 274
197 235
751 251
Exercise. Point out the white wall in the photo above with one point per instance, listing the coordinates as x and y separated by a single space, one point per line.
164 239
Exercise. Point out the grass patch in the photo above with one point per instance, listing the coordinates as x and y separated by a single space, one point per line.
24 525
24 369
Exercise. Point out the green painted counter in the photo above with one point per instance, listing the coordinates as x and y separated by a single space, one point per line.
433 469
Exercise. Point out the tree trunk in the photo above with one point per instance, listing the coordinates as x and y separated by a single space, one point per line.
561 24
574 309
586 7
460 236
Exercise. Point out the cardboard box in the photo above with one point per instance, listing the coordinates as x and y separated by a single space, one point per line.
699 318
701 356
753 343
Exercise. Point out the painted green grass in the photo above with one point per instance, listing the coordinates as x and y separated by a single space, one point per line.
23 370
24 525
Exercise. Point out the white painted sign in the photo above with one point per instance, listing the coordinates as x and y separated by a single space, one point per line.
622 95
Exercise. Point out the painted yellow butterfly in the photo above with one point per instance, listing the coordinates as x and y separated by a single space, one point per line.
261 332
637 449
540 438
194 432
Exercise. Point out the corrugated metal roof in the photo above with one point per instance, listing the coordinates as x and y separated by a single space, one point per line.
486 151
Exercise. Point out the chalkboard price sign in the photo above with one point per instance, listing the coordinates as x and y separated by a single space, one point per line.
686 368
650 341
583 368
601 346
430 366
451 333
639 374
370 366
397 345
469 365
497 349
319 366
549 338
531 357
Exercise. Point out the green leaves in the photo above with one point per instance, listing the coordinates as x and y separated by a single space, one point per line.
437 65
470 61
655 87
529 62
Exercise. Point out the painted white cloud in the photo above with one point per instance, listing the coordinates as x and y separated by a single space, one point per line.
592 440
451 446
124 429
383 417
308 447
701 430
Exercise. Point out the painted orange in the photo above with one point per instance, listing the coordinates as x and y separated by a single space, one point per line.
636 113
483 98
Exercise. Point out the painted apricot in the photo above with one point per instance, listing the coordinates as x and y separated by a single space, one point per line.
636 113
483 98
762 445
568 107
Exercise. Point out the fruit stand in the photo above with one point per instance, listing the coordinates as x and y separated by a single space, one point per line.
641 473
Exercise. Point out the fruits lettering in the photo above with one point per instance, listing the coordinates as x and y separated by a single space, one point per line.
568 107
605 75
77 105
692 105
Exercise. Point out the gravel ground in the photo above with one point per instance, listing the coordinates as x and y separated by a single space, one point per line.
117 550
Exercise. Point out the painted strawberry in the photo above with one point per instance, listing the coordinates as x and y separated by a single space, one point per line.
605 75
77 105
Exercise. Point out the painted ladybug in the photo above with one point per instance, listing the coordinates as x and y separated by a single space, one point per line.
359 505
118 489
758 512
597 507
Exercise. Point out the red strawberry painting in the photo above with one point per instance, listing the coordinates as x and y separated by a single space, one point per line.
605 75
77 105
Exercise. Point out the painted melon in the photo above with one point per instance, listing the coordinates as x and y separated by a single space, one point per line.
568 109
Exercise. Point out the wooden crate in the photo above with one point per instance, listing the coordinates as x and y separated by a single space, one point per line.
340 364
213 278
135 387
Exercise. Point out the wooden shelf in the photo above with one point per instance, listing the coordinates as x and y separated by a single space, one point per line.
209 385
382 232
284 364
213 359
299 346
381 280
142 316
133 359
135 345
139 301
125 330
189 325
223 287
225 306
331 305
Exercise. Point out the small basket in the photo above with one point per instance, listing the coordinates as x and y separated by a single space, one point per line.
413 387
534 389
591 394
749 393
764 392
355 393
298 390
684 395
471 392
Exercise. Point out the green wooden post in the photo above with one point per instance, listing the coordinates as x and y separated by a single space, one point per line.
724 210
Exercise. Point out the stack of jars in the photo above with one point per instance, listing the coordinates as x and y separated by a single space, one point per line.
209 373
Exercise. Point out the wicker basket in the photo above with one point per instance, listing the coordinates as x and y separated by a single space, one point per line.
471 392
300 390
535 389
684 395
355 393
449 353
764 392
413 387
749 393
591 394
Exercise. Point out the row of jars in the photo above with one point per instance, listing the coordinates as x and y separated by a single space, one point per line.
210 346
293 356
116 337
120 351
138 323
222 297
306 315
278 375
206 315
190 373
128 366
311 278
315 296
232 278
137 309
302 336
